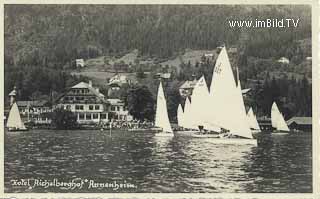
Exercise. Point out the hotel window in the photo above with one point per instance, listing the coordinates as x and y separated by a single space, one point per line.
96 107
103 116
68 107
113 108
95 116
81 116
88 116
77 107
81 107
118 108
91 107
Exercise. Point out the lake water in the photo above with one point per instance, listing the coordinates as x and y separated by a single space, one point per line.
140 162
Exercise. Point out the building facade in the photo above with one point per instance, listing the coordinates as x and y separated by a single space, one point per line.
186 88
80 63
118 111
86 102
37 111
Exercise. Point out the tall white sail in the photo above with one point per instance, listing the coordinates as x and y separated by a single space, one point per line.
187 117
162 119
200 103
180 116
14 119
277 119
227 110
253 120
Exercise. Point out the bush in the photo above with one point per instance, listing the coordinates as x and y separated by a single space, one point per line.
64 119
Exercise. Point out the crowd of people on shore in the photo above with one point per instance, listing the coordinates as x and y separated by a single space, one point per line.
134 124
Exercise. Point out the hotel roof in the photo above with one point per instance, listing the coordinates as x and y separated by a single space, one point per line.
86 85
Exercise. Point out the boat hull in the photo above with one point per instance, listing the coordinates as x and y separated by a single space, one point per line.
17 129
236 141
276 132
164 134
196 134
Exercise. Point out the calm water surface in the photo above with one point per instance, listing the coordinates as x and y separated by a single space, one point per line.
280 163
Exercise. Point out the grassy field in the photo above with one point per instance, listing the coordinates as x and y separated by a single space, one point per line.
191 56
99 72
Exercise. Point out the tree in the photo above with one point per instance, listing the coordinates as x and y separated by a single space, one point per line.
140 73
64 119
173 101
141 103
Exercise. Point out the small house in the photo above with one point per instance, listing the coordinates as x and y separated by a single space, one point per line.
283 60
118 111
300 123
186 88
80 63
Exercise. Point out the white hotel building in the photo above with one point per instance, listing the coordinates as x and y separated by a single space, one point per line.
86 102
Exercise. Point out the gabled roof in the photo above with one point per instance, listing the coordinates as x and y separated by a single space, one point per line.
83 85
188 84
32 103
115 101
86 85
300 120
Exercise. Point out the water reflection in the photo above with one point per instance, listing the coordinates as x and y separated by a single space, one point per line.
178 164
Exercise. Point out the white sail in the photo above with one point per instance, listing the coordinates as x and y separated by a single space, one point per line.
200 103
180 115
242 114
227 110
277 119
14 119
187 117
162 119
253 120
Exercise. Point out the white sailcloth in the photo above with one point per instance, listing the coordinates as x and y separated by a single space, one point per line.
162 119
227 110
199 104
180 116
277 119
14 119
187 117
253 120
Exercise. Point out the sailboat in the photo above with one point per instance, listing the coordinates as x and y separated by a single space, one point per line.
277 120
195 123
180 116
252 119
14 122
199 97
162 119
224 108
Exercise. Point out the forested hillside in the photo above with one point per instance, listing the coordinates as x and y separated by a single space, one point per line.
55 34
42 41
